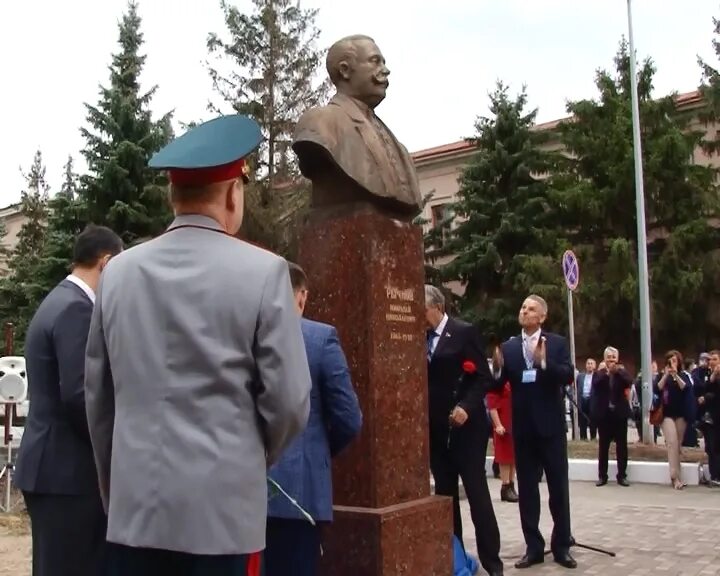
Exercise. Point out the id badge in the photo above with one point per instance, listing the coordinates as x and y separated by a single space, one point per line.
529 376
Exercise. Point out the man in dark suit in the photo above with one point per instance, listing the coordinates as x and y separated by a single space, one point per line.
610 410
583 384
538 366
458 376
55 466
303 471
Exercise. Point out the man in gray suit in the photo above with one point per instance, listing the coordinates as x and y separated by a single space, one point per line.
196 373
55 468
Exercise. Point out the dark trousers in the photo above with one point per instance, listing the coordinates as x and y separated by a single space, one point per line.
533 455
465 458
68 534
612 428
292 548
131 561
584 421
712 449
691 438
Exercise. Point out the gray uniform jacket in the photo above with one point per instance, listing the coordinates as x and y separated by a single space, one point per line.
196 379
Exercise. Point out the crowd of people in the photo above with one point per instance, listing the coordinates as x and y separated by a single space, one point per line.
167 386
685 407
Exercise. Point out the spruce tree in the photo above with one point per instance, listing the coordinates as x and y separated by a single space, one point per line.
504 243
710 90
20 292
119 190
274 60
595 187
66 219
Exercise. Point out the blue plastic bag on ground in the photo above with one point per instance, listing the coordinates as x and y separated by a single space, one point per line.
463 564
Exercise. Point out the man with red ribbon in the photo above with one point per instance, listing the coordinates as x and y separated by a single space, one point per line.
196 375
458 376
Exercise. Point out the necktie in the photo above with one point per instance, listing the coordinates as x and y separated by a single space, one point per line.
430 337
528 350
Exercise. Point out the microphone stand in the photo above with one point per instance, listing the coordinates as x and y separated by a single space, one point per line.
573 542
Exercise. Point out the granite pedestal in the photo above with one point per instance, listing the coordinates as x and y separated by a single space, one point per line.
366 277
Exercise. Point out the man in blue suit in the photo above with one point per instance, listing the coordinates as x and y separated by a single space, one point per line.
55 467
537 364
304 471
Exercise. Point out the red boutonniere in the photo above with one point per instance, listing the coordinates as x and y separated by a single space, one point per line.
469 367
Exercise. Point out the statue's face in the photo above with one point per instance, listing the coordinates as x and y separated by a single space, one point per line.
367 75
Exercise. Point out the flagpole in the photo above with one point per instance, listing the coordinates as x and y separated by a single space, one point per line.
643 282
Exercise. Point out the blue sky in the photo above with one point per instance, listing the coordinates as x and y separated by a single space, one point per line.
444 57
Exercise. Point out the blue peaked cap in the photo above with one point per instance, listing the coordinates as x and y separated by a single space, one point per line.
214 143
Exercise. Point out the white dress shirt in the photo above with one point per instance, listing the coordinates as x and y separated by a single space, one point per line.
89 292
531 342
439 329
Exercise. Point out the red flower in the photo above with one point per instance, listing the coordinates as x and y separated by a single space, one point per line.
469 367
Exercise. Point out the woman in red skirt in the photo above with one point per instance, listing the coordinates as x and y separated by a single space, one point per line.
499 406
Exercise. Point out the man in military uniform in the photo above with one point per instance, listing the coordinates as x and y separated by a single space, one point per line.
196 375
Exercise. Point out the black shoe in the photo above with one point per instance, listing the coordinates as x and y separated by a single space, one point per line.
527 561
623 482
507 494
601 482
496 573
565 560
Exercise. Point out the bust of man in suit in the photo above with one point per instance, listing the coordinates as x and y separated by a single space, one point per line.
352 158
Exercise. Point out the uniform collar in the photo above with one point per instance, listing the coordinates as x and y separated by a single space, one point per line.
195 220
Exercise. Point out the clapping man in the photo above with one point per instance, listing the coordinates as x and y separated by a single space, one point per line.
537 365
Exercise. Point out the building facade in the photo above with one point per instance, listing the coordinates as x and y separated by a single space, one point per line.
13 220
439 168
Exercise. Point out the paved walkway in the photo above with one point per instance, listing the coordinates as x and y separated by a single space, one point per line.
654 530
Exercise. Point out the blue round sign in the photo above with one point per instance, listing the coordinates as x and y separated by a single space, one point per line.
571 270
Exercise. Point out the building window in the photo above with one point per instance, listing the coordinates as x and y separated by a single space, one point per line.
440 214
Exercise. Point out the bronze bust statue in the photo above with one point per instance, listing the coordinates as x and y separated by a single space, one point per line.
350 156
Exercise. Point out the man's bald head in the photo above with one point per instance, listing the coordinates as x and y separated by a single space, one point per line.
357 68
344 50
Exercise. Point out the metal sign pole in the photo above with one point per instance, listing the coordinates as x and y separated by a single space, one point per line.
571 333
571 273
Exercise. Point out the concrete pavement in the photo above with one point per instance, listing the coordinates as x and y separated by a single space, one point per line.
654 530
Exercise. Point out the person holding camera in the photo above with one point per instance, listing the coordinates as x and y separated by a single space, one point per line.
709 404
610 410
671 390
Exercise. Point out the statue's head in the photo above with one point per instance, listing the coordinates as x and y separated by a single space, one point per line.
357 68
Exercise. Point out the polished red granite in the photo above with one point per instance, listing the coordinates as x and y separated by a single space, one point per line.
411 539
366 277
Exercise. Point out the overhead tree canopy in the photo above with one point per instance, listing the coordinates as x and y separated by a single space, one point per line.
505 241
595 190
265 65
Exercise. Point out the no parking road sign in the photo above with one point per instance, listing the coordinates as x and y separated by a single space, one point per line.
571 270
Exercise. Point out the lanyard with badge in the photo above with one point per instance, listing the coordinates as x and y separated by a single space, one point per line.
529 375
